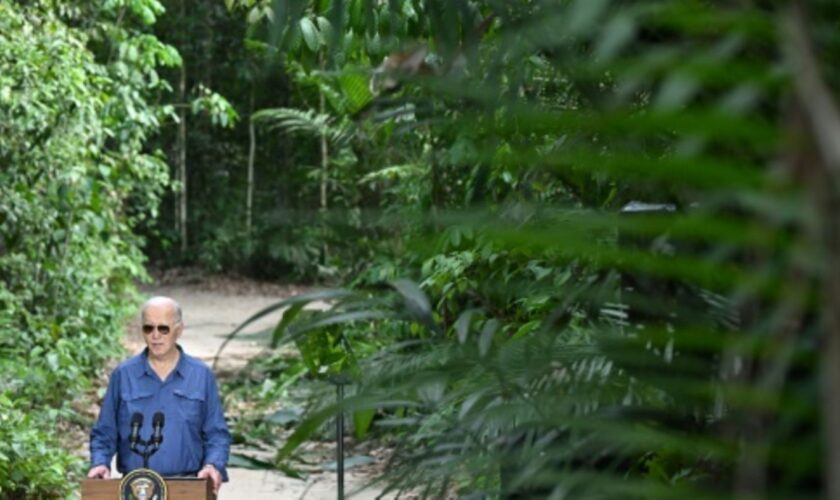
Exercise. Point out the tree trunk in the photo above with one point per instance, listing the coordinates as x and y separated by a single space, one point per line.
435 190
252 148
821 171
181 202
325 159
182 158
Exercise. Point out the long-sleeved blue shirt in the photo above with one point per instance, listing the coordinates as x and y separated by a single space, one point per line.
194 431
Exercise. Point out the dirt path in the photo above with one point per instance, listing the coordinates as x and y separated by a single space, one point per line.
211 310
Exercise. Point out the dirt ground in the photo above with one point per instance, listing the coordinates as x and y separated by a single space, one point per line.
212 308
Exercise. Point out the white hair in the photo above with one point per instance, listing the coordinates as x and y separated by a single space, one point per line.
159 301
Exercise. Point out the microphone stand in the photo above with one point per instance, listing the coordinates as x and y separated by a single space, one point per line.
150 447
340 380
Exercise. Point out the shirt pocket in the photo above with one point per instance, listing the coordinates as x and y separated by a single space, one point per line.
190 405
134 403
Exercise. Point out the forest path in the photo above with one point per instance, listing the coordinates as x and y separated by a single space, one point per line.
212 308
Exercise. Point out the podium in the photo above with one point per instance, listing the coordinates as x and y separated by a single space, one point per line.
178 488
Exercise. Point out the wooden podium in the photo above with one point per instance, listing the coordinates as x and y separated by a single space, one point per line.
179 489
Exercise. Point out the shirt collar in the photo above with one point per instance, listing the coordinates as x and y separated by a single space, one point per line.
180 368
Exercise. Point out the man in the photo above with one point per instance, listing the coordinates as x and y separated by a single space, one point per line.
163 378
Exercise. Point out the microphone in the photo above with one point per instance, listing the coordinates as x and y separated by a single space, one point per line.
157 429
136 424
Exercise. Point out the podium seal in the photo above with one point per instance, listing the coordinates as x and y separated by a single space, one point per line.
143 484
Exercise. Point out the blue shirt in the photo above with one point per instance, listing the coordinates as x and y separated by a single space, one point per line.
194 431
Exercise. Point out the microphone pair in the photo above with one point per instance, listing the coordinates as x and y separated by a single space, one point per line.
154 441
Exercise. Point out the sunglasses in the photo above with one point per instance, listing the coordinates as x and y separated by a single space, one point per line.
163 329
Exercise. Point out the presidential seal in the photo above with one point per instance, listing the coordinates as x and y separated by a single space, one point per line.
143 484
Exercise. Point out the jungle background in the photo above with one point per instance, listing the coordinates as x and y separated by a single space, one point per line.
571 248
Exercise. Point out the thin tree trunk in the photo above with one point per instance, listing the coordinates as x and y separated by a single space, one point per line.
182 158
435 194
325 159
181 204
822 118
252 148
176 174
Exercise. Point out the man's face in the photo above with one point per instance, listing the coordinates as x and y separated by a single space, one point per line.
161 330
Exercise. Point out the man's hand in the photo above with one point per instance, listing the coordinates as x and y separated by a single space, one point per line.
210 471
100 471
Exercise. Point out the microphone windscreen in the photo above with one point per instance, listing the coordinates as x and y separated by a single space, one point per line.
137 419
157 419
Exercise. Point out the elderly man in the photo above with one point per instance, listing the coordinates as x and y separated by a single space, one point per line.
163 378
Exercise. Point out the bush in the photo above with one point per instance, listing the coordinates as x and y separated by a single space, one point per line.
32 465
75 182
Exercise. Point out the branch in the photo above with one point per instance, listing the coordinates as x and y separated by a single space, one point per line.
820 109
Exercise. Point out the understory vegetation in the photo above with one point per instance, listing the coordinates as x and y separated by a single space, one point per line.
75 178
582 245
78 91
572 248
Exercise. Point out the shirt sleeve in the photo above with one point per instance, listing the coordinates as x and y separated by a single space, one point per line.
103 436
215 431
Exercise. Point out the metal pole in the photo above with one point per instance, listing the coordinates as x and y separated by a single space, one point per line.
339 434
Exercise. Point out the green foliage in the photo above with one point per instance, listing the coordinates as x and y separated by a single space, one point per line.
261 76
620 279
75 181
31 463
220 111
68 254
293 121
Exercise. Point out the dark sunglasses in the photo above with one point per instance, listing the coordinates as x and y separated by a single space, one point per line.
163 329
